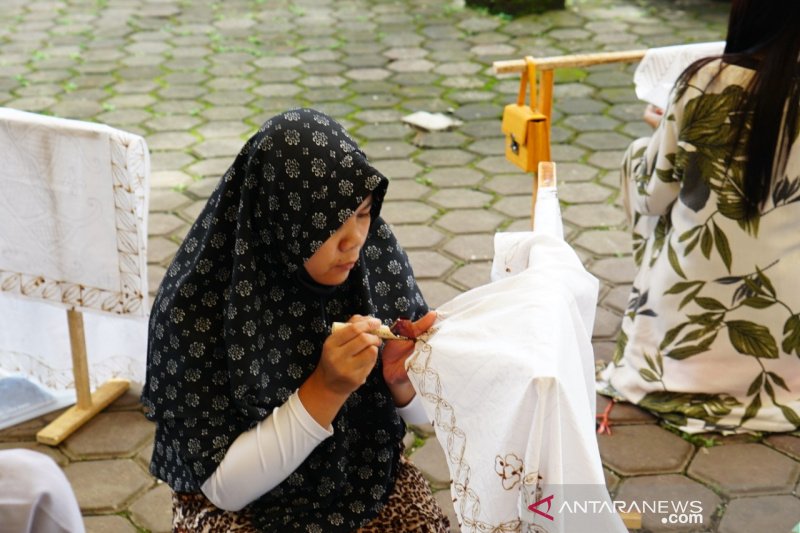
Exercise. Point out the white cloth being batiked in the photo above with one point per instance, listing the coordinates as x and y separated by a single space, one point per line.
660 68
73 234
507 376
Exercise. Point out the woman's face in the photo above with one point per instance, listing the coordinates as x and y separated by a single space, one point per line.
333 261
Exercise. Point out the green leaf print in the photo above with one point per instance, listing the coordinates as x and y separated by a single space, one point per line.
673 260
671 335
758 302
685 352
706 242
752 409
765 282
619 349
790 415
791 343
709 303
649 375
777 380
755 386
676 406
752 339
723 246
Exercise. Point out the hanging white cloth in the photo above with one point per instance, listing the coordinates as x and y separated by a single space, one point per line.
660 68
507 376
73 234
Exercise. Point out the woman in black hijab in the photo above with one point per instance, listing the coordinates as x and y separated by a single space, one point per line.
259 408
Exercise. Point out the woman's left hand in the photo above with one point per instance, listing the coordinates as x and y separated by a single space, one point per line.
396 352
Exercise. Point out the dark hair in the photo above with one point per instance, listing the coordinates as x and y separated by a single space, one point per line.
764 34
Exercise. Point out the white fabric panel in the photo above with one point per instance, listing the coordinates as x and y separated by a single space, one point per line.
73 212
660 68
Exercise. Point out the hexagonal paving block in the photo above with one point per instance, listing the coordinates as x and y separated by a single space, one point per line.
682 496
607 159
437 292
213 167
103 486
223 147
108 524
169 179
445 501
398 168
473 274
469 221
386 149
644 449
788 444
615 269
605 242
764 513
445 157
617 298
417 235
166 200
411 65
454 177
585 123
428 264
163 224
430 459
160 250
153 510
606 323
582 193
203 188
511 184
745 469
594 215
224 129
460 198
191 212
404 212
405 189
624 412
155 274
383 131
477 247
112 434
517 206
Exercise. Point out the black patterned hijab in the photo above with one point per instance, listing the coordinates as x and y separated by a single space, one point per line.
236 327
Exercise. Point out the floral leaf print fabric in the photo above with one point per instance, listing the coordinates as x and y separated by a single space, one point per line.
236 328
711 336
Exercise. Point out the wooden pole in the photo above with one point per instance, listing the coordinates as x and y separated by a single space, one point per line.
577 60
80 366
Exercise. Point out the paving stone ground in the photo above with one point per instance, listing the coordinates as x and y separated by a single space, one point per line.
196 77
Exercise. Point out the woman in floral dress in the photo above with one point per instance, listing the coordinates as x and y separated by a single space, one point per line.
710 340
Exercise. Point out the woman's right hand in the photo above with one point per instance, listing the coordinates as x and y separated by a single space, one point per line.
348 355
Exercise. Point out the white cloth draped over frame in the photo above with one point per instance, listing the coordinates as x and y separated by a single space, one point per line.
74 219
507 376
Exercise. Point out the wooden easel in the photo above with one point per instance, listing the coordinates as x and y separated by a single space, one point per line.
88 404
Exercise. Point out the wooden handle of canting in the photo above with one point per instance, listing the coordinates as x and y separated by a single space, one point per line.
382 332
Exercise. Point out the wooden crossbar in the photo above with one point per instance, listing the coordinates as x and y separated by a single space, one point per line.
569 61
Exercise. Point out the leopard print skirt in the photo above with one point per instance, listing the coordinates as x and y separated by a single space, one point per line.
410 509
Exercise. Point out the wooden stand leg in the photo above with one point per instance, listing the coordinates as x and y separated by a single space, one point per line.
87 404
632 520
